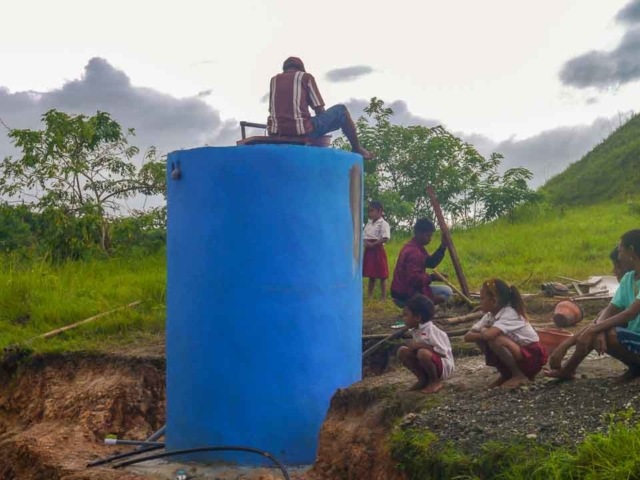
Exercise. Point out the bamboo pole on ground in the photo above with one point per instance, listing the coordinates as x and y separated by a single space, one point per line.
57 331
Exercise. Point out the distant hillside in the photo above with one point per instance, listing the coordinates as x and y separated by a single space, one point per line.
611 170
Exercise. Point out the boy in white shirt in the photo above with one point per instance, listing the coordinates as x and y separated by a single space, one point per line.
506 337
374 262
428 356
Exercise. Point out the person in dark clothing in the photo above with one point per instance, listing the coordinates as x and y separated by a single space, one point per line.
409 276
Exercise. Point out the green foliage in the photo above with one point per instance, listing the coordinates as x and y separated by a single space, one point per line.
609 171
470 190
609 456
75 172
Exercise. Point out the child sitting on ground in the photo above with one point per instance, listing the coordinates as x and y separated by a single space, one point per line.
616 331
620 267
506 337
428 356
374 262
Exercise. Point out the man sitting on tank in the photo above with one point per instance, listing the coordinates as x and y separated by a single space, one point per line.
409 276
291 94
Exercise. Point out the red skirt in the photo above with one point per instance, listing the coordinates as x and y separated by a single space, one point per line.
437 361
534 358
374 263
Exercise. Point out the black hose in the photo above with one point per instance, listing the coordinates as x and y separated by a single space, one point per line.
120 456
172 453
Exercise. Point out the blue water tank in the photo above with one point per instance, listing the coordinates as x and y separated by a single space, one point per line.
264 296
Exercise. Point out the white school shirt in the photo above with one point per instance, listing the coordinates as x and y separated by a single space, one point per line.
377 230
431 335
511 324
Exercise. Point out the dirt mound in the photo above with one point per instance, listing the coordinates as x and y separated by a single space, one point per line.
353 438
55 411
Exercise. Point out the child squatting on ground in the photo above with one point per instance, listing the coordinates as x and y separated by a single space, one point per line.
620 268
616 331
506 337
428 356
374 263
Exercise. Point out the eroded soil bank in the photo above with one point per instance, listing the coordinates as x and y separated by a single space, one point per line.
55 411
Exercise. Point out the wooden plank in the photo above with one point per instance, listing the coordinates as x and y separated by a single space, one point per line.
577 287
449 243
570 279
463 318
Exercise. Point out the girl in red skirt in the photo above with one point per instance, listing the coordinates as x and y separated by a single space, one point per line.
506 337
374 264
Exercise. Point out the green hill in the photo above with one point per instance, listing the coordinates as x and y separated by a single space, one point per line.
610 171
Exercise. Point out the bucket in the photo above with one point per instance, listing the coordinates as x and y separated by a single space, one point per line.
551 338
567 314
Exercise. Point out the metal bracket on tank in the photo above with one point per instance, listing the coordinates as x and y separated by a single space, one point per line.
176 173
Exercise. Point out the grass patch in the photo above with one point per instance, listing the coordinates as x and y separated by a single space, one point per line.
39 297
536 244
611 456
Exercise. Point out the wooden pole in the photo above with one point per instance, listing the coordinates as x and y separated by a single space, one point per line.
454 288
449 243
388 338
463 319
82 322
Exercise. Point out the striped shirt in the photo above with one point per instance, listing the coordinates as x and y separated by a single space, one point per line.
291 95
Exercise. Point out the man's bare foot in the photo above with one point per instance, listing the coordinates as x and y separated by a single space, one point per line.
419 385
628 376
366 154
515 382
432 388
497 382
559 374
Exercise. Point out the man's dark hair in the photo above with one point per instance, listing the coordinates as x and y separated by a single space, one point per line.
293 62
423 225
631 240
613 256
421 306
376 205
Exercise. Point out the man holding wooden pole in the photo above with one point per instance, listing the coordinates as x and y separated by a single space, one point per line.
409 276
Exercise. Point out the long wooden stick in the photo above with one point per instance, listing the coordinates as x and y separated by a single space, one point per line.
453 287
82 322
388 338
449 243
463 319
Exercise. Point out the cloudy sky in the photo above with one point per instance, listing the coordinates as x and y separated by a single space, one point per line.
540 82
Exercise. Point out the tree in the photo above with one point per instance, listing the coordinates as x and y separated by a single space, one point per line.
408 158
79 167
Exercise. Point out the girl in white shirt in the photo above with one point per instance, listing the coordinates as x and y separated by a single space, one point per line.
504 334
428 356
374 262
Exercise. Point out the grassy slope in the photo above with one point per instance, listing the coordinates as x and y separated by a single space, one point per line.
609 171
544 243
54 296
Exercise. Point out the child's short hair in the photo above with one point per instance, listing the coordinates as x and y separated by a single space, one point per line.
423 225
376 205
421 306
614 255
506 295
